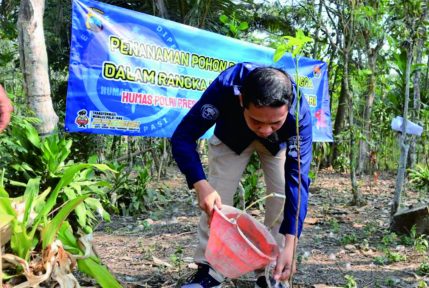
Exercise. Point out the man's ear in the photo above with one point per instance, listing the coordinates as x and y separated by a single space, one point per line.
240 98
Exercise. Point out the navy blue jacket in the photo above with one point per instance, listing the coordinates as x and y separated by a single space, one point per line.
220 105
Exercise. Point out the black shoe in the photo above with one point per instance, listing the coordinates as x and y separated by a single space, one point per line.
261 282
202 279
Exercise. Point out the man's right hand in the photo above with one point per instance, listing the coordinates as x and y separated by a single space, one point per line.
207 198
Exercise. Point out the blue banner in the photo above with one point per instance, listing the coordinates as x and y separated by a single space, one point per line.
136 74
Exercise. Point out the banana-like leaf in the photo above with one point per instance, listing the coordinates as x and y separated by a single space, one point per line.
96 205
5 221
80 210
5 228
32 135
30 195
50 231
20 242
92 267
3 192
70 242
6 207
65 180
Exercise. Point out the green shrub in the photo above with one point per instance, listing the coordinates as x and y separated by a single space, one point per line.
419 177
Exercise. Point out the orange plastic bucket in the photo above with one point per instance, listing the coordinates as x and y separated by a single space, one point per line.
238 243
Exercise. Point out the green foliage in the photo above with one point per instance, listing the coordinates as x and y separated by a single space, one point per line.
389 257
370 228
234 25
349 239
390 282
130 193
294 45
49 232
31 156
419 177
421 244
423 269
36 218
389 239
334 225
177 257
321 151
251 183
351 282
33 210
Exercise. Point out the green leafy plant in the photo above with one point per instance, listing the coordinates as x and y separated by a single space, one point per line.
177 257
390 282
31 156
419 177
423 269
389 257
334 225
370 228
389 239
130 192
350 282
293 44
349 239
48 192
394 257
421 244
32 223
234 25
251 184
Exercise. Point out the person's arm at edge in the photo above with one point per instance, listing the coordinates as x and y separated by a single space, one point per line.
5 109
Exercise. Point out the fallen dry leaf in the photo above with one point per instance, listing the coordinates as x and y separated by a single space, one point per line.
159 262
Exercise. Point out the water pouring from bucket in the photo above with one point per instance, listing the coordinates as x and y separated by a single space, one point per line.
238 243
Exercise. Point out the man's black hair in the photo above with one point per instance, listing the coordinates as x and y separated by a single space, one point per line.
267 86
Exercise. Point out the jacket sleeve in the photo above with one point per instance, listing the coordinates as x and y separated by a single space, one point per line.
199 119
291 174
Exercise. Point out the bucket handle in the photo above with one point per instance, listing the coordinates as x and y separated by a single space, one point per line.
274 194
234 222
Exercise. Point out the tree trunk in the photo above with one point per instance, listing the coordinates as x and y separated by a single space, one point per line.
357 197
400 178
417 97
34 63
162 9
340 118
316 38
366 123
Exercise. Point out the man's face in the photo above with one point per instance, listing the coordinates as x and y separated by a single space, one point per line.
264 121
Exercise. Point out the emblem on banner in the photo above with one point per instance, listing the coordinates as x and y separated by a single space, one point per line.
317 71
93 20
82 119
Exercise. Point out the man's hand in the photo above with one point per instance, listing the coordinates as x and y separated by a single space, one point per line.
207 198
283 270
5 109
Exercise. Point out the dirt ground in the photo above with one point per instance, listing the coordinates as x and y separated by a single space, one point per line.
340 243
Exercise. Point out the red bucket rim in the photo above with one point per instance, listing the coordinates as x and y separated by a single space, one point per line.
233 221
